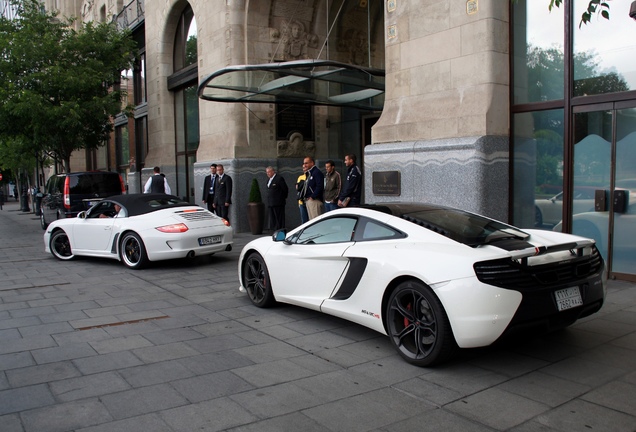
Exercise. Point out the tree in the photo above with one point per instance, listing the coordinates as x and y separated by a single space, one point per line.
594 7
59 86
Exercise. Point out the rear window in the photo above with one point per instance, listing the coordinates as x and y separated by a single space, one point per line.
95 183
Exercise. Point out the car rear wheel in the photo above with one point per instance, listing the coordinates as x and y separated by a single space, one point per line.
256 281
132 251
61 246
43 223
418 325
538 217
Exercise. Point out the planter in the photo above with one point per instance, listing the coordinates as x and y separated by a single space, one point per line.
256 217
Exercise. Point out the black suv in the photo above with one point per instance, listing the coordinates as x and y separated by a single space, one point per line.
65 195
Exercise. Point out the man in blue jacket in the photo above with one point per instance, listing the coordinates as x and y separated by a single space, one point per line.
352 190
315 188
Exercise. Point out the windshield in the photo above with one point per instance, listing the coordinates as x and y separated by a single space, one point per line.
464 227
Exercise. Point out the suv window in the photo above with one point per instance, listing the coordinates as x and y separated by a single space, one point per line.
95 183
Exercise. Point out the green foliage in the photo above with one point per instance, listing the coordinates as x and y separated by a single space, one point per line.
255 192
58 84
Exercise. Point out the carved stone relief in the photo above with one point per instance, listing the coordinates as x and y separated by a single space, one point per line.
296 146
293 40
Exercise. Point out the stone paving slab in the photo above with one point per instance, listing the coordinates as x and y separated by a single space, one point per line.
90 346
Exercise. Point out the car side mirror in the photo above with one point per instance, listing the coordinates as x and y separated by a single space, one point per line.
81 215
279 235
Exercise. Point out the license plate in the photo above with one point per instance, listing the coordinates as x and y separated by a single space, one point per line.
204 241
568 298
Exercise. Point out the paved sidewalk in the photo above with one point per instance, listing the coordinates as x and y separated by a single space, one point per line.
91 346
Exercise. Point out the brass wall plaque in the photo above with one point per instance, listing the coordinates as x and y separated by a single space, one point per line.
387 183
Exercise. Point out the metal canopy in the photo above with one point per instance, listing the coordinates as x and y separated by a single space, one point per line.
302 82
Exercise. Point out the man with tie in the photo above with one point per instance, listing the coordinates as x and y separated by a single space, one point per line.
222 193
209 183
277 191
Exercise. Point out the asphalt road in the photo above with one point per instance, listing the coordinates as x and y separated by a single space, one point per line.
89 345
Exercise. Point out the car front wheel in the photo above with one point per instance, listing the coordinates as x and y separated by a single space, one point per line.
418 326
61 246
132 251
256 281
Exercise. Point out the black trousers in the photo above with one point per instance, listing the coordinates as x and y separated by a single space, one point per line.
277 217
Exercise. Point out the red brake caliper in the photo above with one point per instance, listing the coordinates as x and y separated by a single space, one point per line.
406 320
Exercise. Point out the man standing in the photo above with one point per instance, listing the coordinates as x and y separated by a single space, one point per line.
300 195
157 183
333 183
352 190
277 191
315 188
209 183
222 193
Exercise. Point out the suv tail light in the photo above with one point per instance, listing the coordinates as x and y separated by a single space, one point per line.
123 186
67 193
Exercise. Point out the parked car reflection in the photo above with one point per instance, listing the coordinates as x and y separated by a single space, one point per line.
549 211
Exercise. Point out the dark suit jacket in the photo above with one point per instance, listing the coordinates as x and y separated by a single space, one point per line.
277 191
206 187
223 190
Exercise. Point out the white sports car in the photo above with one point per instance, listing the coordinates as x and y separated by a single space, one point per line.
432 278
138 228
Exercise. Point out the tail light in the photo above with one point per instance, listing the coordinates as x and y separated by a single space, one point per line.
123 186
67 192
226 222
174 228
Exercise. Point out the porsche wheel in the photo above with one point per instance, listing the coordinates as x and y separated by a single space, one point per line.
538 218
132 251
61 246
418 326
256 281
43 223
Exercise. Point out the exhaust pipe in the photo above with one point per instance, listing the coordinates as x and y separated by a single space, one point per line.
228 248
190 255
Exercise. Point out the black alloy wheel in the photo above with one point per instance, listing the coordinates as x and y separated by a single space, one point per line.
132 251
61 246
418 326
257 282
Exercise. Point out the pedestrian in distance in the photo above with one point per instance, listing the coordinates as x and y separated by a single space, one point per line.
315 186
209 184
333 184
352 190
222 193
277 192
157 183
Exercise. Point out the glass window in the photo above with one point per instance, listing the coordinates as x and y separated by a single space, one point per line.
372 230
140 80
332 230
538 52
604 51
185 45
538 150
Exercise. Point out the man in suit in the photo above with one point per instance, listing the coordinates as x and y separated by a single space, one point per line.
277 191
315 188
222 193
209 183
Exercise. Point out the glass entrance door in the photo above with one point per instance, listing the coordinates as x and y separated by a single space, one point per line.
604 170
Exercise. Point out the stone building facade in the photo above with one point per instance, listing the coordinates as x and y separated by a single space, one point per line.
483 107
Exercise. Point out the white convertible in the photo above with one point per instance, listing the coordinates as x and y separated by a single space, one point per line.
432 278
138 228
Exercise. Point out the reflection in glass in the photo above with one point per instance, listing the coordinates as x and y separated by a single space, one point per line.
624 247
538 52
604 51
592 155
538 168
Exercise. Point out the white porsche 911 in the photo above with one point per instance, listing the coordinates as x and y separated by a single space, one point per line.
137 228
432 278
